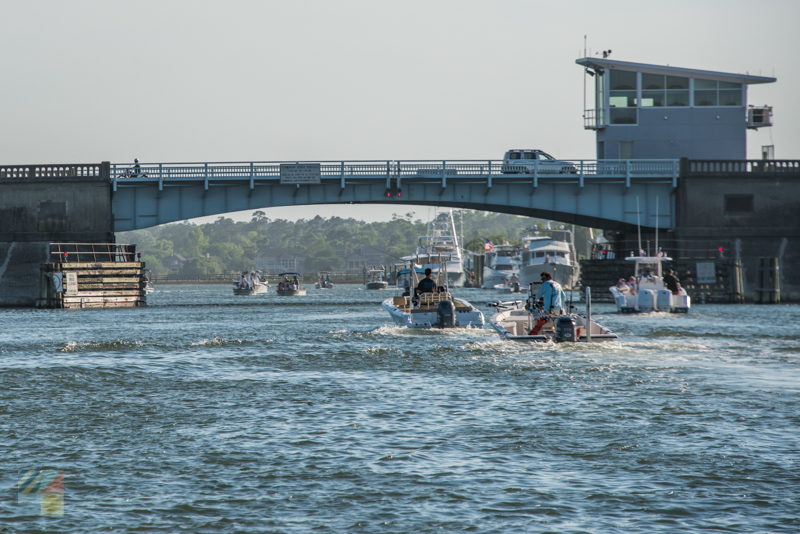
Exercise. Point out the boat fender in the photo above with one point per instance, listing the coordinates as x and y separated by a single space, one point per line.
446 313
565 329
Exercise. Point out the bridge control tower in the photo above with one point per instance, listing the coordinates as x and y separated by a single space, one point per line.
644 111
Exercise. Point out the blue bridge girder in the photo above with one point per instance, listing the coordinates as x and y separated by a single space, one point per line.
611 194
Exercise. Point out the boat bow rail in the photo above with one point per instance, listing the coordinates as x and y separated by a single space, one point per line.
665 170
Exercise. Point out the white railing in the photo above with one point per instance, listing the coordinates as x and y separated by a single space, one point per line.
665 169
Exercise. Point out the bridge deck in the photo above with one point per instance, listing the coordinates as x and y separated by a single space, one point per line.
441 170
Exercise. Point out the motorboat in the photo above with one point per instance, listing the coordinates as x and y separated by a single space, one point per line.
519 320
250 283
442 240
436 309
291 285
509 285
500 266
324 281
148 282
649 292
376 279
550 251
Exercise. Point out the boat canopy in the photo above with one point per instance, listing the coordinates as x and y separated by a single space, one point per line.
290 274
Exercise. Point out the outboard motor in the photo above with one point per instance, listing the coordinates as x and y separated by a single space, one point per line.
646 299
565 329
664 300
446 313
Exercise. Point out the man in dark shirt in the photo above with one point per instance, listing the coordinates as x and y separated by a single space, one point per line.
427 284
671 282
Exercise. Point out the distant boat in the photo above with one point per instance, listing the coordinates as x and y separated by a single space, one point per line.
250 283
501 266
291 285
148 282
550 251
649 292
376 279
324 281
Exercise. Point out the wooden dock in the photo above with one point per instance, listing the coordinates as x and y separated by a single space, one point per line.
113 283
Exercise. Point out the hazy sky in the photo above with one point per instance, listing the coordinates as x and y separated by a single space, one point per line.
193 80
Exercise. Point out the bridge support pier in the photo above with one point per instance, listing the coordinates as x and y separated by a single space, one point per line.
41 204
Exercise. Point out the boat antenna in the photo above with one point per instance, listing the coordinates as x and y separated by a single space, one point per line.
656 252
638 227
584 79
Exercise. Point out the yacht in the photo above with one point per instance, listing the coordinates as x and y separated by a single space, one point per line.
501 266
552 251
442 240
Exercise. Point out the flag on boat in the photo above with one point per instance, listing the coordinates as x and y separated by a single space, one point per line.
488 246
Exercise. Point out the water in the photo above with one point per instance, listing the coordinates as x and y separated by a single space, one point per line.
206 412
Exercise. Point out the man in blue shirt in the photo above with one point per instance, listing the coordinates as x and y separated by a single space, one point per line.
551 294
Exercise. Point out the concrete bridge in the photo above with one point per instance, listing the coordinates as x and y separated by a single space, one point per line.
614 194
695 203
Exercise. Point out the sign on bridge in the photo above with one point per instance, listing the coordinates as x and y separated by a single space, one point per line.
300 173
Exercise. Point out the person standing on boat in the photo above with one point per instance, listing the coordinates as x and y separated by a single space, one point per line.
427 284
671 282
551 294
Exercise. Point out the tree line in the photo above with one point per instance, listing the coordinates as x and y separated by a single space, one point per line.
228 246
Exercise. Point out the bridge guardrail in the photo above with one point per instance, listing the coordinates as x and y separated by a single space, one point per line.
495 169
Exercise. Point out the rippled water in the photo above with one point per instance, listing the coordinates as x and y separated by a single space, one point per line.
206 412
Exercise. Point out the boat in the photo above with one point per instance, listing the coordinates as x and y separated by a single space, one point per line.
501 266
550 251
375 279
649 293
324 281
250 283
148 282
441 240
437 309
291 285
519 320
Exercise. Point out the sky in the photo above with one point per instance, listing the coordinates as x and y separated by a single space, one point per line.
261 80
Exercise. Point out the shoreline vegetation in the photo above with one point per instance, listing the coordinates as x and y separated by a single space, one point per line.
199 253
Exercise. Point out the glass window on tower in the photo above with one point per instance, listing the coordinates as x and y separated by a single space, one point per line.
705 92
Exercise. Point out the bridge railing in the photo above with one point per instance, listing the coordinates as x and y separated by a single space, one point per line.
220 171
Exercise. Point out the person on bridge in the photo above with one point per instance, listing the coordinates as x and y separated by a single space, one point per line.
137 169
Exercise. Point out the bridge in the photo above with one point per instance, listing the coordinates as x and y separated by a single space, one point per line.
614 194
696 204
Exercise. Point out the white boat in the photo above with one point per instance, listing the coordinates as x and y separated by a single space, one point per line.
324 281
148 282
442 239
291 285
553 252
501 267
649 293
438 309
375 279
250 283
526 321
